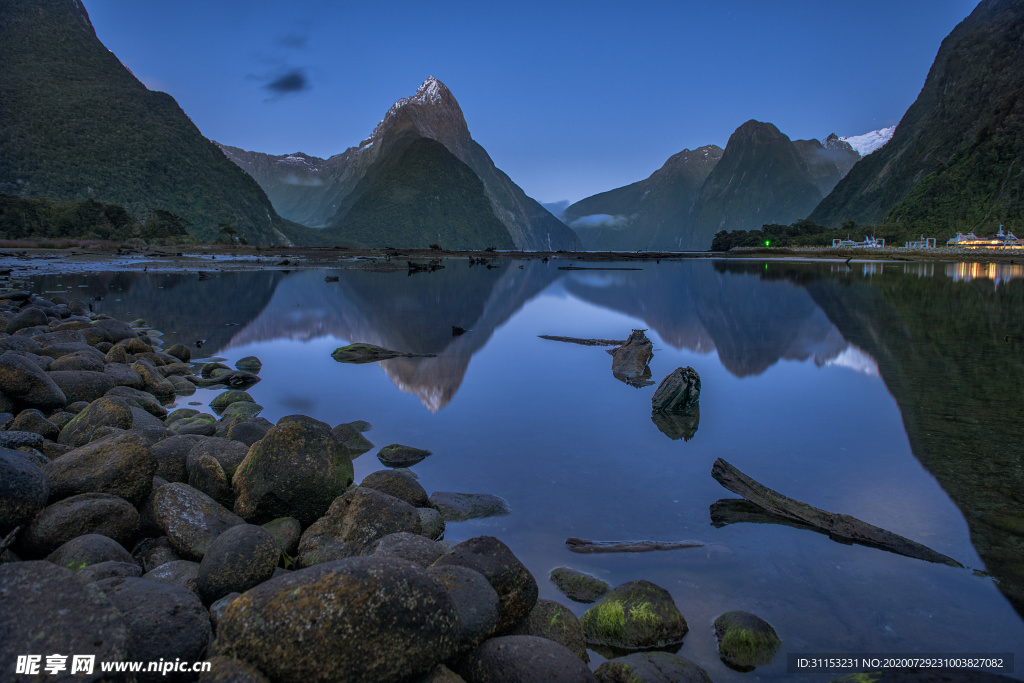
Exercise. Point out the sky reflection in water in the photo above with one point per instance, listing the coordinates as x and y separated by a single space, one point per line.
545 425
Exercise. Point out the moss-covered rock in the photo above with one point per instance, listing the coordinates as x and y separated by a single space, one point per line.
577 585
296 470
401 485
397 455
121 465
87 513
636 615
475 600
249 364
191 519
171 456
244 410
745 641
181 352
24 488
431 524
33 420
25 382
240 558
155 383
165 622
47 607
515 586
651 667
286 532
89 549
370 353
548 619
82 385
459 507
182 573
316 623
226 398
353 522
206 475
523 658
202 424
352 439
108 411
139 399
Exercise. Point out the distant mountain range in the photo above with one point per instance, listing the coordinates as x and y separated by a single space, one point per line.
761 177
361 196
75 124
956 159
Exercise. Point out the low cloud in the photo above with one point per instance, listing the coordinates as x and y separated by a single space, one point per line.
294 41
292 179
600 220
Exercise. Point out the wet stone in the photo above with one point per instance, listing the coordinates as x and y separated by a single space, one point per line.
745 641
577 585
397 455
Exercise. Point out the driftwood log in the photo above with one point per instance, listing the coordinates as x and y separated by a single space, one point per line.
584 342
842 528
578 545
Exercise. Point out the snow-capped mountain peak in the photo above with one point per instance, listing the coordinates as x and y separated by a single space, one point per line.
868 142
430 92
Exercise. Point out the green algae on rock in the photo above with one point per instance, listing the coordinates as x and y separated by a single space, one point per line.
369 353
577 585
745 641
634 616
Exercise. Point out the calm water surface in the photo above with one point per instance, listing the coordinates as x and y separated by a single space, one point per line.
889 392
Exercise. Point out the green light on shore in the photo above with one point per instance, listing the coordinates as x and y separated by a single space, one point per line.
767 243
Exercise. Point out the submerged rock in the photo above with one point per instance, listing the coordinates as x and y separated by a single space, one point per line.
678 391
745 641
630 361
368 353
636 615
577 585
397 455
459 507
249 364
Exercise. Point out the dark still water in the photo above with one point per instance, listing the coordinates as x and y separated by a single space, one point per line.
891 392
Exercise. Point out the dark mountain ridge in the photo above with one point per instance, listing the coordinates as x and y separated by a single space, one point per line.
77 125
953 162
432 112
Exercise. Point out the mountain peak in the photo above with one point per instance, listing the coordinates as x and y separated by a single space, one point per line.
431 93
756 131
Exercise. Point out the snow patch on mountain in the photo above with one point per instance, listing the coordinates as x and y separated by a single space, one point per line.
429 92
868 142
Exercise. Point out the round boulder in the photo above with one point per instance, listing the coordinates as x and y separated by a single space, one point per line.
412 547
240 558
636 615
191 519
181 573
286 532
577 585
745 641
296 470
89 549
87 513
553 621
522 658
24 488
397 455
46 607
121 465
475 600
353 522
315 623
164 622
651 667
401 485
515 586
27 383
103 412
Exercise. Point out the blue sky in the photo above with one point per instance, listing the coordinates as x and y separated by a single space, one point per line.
569 98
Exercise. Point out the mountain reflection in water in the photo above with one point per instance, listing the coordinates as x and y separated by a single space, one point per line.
545 424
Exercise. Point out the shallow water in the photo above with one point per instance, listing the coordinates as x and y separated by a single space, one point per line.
890 392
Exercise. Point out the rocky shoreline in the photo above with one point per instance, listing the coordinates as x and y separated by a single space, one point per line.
134 533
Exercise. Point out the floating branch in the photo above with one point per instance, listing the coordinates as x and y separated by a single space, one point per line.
842 528
578 545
